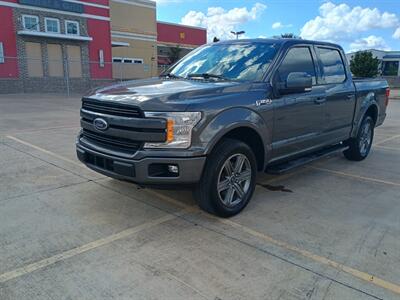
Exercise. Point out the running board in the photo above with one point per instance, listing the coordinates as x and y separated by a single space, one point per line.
291 164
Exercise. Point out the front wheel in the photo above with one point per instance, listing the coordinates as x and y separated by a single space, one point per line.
360 146
229 179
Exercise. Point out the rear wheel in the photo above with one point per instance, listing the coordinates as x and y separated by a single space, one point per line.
360 146
228 180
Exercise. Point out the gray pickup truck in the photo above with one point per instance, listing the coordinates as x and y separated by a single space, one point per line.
227 111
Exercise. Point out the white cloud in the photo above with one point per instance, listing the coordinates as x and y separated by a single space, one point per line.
370 42
396 34
341 22
279 25
220 22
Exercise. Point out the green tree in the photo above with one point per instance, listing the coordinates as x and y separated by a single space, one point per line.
363 64
289 36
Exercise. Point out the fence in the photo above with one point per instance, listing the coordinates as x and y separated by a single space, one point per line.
35 74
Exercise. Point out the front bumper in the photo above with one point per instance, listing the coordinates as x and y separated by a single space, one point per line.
139 171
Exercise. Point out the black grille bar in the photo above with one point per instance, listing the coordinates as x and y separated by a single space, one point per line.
140 136
140 124
108 140
112 109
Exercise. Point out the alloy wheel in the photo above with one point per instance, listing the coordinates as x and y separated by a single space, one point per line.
365 138
234 180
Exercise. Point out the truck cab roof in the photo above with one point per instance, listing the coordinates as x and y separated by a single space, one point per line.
280 41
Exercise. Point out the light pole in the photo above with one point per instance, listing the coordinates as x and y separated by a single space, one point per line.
237 33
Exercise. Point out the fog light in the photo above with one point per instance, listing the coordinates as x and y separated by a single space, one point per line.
173 169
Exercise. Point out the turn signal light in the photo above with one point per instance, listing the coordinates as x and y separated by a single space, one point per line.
170 130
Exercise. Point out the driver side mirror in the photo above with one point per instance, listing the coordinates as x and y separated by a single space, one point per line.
296 82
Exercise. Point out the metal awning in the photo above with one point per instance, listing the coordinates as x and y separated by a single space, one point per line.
119 44
55 35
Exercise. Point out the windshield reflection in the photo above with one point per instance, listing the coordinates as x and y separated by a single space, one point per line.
242 61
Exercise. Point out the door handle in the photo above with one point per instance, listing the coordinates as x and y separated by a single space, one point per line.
349 97
320 100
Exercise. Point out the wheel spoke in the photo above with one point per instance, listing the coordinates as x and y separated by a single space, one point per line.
239 190
239 163
229 196
228 167
223 185
243 176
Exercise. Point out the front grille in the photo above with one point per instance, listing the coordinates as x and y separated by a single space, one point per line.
112 109
110 142
127 130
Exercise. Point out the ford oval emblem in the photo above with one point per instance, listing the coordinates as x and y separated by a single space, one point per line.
100 124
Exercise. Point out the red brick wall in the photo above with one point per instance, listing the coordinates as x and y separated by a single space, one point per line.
100 32
177 34
9 69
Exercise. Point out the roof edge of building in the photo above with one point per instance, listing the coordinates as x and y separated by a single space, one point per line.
181 25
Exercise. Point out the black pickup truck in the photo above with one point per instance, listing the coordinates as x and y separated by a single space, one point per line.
227 111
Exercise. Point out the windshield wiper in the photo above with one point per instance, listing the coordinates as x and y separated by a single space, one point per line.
207 76
170 75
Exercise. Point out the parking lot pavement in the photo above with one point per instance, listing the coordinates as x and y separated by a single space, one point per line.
329 230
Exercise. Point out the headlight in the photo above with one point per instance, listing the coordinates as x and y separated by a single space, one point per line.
179 128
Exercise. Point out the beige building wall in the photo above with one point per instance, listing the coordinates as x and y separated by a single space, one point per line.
131 16
137 49
134 22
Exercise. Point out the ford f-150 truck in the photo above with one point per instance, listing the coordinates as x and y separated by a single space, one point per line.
227 111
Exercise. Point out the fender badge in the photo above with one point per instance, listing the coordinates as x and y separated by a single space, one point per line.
263 102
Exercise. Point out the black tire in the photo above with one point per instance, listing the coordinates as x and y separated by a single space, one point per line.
215 174
360 146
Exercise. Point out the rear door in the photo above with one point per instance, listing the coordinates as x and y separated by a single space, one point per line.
340 94
298 117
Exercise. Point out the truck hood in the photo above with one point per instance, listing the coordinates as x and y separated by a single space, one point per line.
158 94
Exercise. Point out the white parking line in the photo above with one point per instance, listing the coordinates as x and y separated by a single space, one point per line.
85 248
320 259
387 140
388 148
363 178
43 150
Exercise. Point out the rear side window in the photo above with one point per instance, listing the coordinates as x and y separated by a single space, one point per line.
297 59
332 65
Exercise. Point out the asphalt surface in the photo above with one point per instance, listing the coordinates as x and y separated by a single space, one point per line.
329 230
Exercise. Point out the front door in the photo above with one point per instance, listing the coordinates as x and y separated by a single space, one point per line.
298 117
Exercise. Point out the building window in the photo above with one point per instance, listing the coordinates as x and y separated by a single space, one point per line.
1 53
127 60
390 68
52 25
72 27
30 22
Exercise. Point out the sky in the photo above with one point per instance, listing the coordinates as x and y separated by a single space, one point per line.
354 24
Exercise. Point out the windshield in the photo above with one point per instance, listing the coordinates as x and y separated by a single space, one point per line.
243 62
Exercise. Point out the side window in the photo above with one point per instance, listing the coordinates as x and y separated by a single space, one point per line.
332 65
298 59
